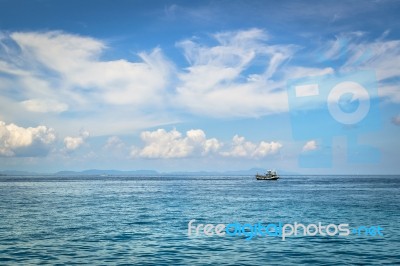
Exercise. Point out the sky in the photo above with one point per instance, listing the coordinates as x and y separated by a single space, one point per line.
308 87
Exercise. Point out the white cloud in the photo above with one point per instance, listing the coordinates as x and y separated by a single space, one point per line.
19 141
390 92
73 143
54 72
310 146
241 75
293 72
76 59
243 148
379 55
197 138
163 144
114 143
217 82
396 120
44 106
211 146
58 51
265 148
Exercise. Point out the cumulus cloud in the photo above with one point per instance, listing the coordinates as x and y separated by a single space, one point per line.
164 144
20 141
73 143
310 146
114 143
243 148
396 120
173 144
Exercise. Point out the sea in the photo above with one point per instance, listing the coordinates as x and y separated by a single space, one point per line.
144 220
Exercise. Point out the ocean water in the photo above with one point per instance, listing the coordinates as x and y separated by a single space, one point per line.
144 220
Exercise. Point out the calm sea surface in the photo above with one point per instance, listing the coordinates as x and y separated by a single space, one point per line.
144 220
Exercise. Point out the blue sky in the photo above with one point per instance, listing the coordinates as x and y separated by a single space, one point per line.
200 85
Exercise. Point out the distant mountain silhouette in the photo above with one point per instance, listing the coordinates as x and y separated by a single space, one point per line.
16 172
108 172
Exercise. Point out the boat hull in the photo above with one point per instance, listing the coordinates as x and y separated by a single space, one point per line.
266 177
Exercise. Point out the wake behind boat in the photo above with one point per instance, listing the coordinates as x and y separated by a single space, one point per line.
269 175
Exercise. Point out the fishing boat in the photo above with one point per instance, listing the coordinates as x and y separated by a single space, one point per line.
269 175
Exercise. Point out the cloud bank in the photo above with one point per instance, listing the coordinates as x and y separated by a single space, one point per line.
73 143
53 73
21 142
233 74
173 144
164 144
67 81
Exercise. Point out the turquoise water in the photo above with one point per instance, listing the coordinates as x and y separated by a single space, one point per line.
144 220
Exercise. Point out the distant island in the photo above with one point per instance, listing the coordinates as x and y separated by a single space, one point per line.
108 172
